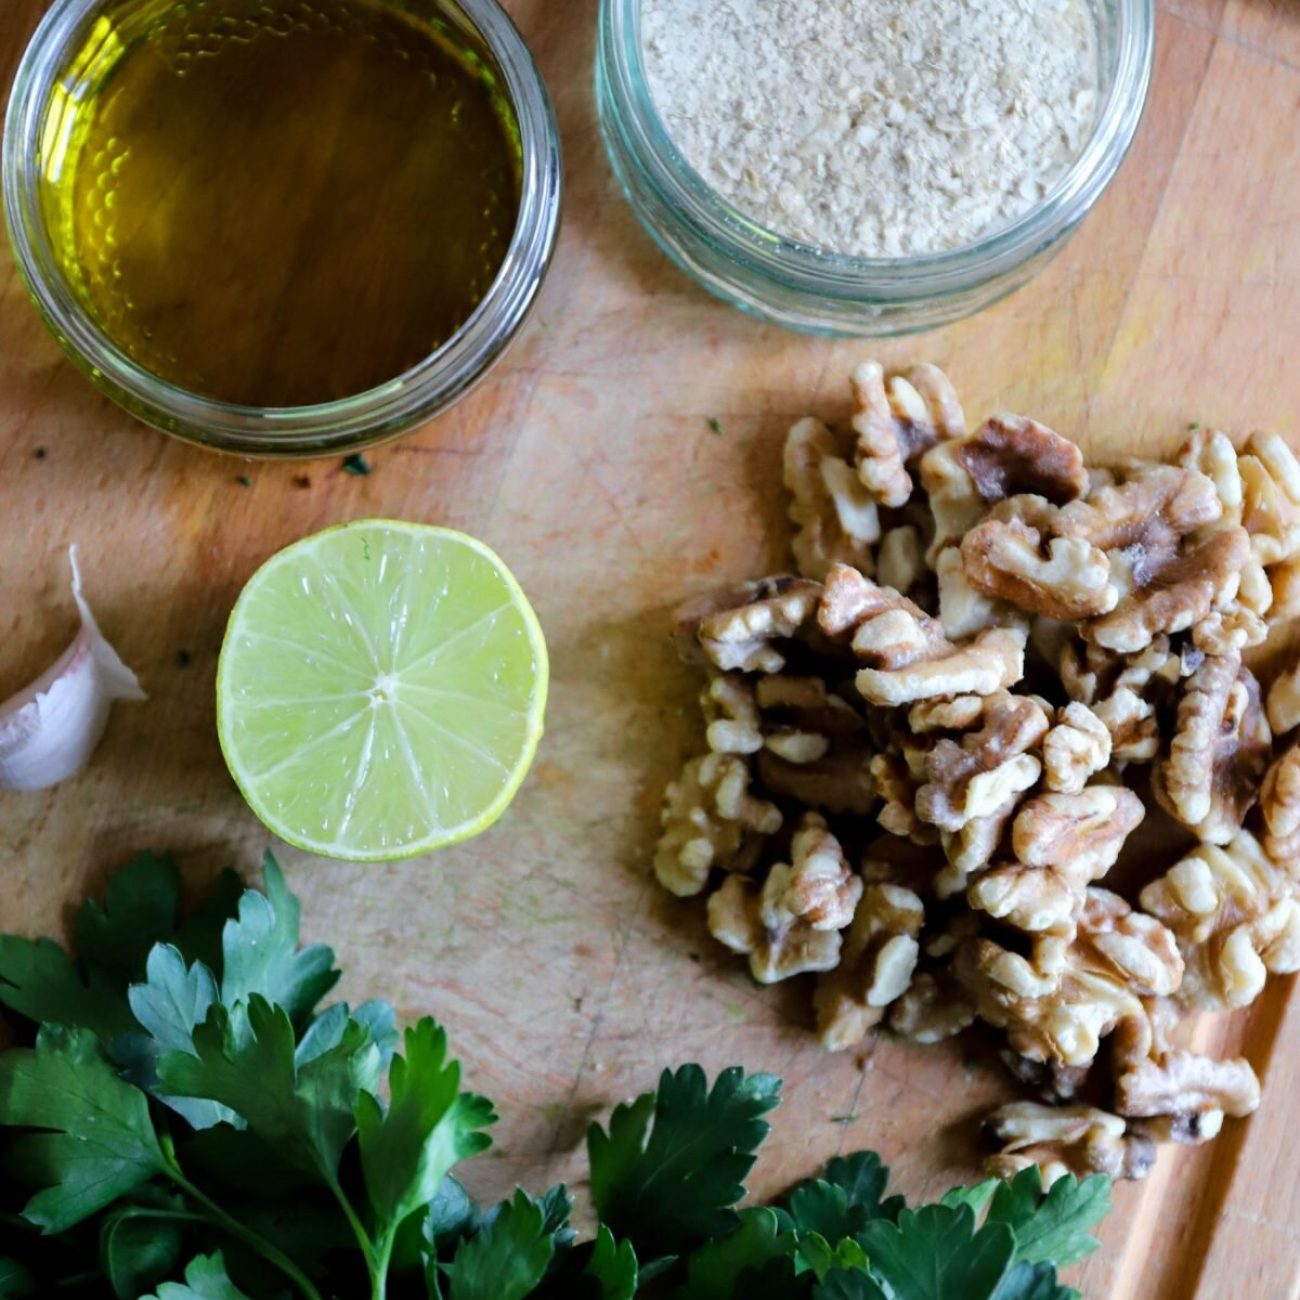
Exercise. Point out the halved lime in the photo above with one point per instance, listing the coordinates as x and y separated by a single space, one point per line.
381 690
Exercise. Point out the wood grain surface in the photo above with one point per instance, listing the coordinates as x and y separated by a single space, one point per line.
564 975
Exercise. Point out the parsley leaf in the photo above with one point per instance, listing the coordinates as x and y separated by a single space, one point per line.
99 1141
326 1031
1034 1282
15 1280
815 1254
838 1205
172 1001
863 1178
715 1268
976 1197
852 1285
205 1279
40 981
451 1215
1053 1227
612 1267
506 1259
200 934
429 1126
603 1269
670 1168
934 1253
139 910
247 1063
820 1207
260 952
138 1250
557 1208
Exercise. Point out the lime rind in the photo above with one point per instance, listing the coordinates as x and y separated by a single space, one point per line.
312 642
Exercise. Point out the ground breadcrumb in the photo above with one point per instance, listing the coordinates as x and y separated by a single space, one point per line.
878 128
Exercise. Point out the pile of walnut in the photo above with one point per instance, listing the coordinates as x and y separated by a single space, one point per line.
925 753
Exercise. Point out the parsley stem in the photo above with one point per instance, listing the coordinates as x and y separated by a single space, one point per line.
376 1261
379 1282
253 1240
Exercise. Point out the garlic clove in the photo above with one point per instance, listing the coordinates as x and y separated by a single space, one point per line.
49 730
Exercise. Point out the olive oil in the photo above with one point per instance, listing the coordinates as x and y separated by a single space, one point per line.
281 202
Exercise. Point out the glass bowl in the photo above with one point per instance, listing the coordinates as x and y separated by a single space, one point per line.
810 289
347 424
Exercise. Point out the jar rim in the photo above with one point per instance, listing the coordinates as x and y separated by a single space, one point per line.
343 424
805 268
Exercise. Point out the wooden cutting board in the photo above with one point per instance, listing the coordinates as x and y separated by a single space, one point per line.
564 975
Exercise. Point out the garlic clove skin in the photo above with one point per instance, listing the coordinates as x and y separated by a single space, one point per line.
49 730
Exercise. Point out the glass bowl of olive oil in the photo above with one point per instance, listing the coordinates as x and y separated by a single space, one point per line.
281 227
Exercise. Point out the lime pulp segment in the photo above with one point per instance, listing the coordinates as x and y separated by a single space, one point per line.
381 690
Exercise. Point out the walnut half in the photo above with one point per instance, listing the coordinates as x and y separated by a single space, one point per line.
1236 916
1060 1140
739 628
791 923
835 519
880 954
711 820
897 418
975 776
1211 777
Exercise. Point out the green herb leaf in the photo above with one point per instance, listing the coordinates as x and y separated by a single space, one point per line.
139 910
1052 1228
820 1207
200 935
976 1197
612 1267
429 1126
557 1208
326 1031
15 1280
715 1269
672 1165
507 1259
40 981
260 950
853 1285
205 1279
451 1215
357 465
863 1177
841 1203
934 1253
1034 1282
303 1111
99 1141
603 1269
138 1250
816 1255
172 1001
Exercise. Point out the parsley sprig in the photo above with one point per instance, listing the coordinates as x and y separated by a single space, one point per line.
185 1120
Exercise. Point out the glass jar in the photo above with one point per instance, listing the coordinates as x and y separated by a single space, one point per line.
827 293
347 424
